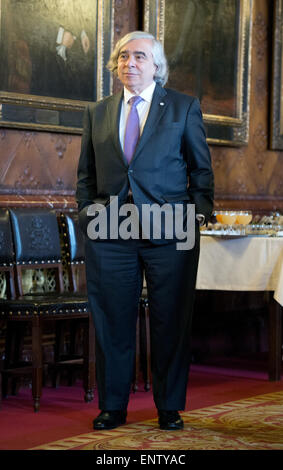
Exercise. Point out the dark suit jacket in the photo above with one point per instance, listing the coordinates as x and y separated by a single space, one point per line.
172 148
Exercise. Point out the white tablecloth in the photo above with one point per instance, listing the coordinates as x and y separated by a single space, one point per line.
242 264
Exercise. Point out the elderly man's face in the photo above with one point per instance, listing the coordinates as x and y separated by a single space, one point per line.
136 68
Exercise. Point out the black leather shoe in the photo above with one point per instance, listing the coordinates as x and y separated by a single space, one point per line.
109 419
170 420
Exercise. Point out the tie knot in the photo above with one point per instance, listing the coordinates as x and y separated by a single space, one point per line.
135 100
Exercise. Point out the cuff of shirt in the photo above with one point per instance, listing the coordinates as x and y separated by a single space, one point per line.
200 218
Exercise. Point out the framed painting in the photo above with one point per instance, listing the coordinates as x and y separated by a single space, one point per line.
52 55
207 44
276 121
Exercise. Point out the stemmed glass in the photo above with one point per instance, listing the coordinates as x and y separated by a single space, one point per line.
228 218
243 218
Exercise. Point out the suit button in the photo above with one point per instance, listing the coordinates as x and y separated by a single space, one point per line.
130 171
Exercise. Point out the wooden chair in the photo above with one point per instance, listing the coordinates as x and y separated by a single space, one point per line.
7 253
75 253
6 265
73 243
144 338
37 245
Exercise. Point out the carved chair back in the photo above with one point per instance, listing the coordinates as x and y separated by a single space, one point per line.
35 233
74 243
36 242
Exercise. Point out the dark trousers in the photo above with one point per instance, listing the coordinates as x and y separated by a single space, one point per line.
114 279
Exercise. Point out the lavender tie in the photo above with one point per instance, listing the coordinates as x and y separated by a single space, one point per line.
132 132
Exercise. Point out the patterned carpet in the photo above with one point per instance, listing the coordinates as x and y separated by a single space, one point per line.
251 424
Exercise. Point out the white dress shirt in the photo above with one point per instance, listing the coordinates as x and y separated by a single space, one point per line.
142 109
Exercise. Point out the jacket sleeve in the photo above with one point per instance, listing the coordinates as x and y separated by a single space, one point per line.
86 183
197 155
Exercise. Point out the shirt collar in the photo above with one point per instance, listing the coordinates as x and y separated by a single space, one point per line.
146 94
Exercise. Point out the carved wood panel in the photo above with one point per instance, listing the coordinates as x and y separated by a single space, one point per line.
40 167
37 166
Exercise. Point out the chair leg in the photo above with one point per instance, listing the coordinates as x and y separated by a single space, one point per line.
36 361
16 353
275 340
13 348
72 349
148 356
61 327
59 341
9 354
89 360
145 343
137 362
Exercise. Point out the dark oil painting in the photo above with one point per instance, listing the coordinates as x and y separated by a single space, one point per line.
48 48
201 44
52 55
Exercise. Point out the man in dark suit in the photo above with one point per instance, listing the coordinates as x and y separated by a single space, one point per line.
170 163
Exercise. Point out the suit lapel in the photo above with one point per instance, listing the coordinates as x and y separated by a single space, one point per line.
113 113
157 109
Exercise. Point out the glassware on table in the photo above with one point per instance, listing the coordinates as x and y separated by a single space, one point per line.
218 215
228 219
232 222
243 217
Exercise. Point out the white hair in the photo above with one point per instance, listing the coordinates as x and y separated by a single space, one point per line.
159 58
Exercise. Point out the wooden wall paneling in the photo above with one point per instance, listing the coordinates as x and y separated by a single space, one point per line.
40 167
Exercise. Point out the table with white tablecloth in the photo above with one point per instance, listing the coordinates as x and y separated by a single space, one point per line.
249 263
